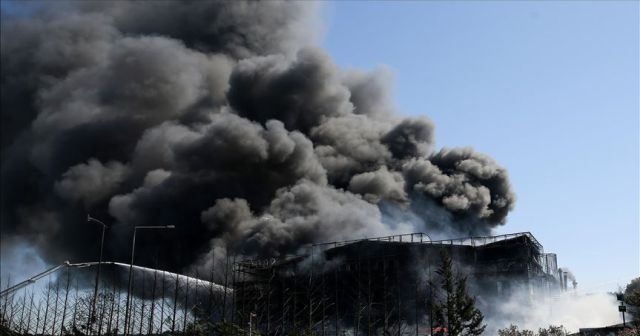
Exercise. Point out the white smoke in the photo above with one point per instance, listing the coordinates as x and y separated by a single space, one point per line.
571 309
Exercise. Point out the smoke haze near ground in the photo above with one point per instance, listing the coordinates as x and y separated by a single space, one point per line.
224 119
570 309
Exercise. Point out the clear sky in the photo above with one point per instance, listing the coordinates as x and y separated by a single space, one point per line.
550 90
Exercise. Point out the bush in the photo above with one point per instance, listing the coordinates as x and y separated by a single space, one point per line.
512 330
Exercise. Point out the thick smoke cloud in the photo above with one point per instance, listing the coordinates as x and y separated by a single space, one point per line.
464 182
91 182
221 118
379 185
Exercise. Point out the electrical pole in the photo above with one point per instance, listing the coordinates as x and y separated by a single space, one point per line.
92 311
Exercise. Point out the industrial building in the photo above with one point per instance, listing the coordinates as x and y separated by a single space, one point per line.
383 285
375 286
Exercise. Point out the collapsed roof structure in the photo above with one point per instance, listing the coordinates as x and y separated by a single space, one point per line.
383 285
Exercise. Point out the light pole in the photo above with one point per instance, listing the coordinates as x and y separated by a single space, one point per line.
95 291
127 315
251 316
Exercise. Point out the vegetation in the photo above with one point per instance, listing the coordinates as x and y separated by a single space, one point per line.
630 332
632 292
513 330
4 330
632 298
454 309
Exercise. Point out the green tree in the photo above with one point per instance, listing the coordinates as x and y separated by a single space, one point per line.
513 330
4 329
455 309
629 332
230 329
196 329
552 331
632 297
632 292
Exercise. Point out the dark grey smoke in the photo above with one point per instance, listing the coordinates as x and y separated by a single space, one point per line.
223 119
464 182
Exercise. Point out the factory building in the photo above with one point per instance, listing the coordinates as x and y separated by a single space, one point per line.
383 285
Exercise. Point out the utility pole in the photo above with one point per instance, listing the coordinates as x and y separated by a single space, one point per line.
251 316
127 315
66 296
95 290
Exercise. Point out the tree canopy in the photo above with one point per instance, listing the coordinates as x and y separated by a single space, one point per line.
454 309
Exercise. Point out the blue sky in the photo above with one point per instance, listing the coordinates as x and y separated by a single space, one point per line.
550 90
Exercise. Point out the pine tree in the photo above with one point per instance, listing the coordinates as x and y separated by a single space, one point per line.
455 309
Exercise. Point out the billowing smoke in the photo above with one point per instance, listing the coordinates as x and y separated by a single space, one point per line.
570 309
222 118
568 277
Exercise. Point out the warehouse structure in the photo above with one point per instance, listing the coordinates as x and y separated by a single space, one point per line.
382 285
376 286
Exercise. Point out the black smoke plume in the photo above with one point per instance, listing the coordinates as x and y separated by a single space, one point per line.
222 118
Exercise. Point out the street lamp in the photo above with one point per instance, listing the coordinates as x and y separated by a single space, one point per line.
127 316
95 291
251 316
